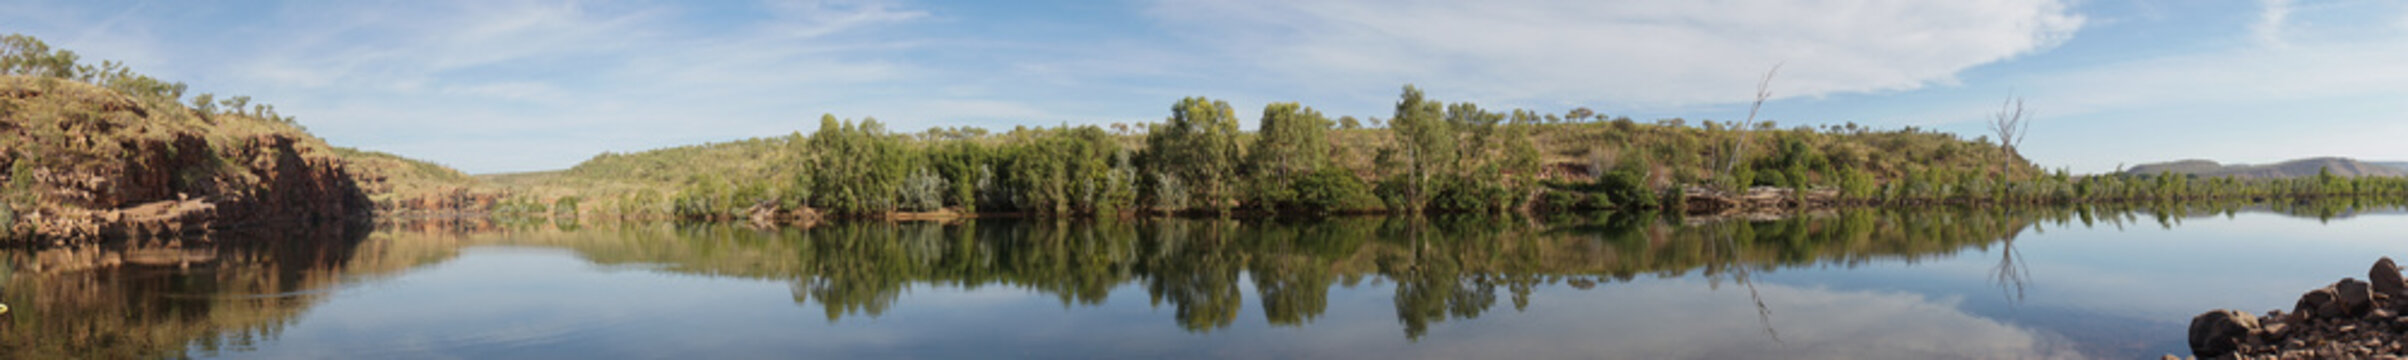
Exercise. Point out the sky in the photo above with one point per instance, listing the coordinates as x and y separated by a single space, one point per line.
492 86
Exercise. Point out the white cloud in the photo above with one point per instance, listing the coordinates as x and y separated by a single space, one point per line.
1643 53
2271 18
479 83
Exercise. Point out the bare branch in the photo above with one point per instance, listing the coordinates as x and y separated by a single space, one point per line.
1763 92
2010 124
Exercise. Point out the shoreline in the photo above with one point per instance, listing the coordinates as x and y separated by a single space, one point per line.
2347 319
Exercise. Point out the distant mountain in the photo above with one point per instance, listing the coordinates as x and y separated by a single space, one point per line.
2402 165
2286 169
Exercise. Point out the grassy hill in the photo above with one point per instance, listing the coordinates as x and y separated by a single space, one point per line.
1667 153
2301 168
2402 165
97 151
400 185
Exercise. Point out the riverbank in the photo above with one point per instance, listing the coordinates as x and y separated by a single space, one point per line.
2348 319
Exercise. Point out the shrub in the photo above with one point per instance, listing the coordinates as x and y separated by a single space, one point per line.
1332 190
923 191
1626 187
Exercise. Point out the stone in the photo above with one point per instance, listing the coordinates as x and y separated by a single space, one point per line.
2218 333
2316 304
2386 278
2355 297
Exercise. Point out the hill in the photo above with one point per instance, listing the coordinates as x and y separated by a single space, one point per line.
2402 165
1496 159
2301 168
96 151
402 186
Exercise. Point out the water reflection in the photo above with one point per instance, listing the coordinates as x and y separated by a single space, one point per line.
1441 268
1628 283
224 291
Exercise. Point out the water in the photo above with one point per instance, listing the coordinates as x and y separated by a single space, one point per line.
2032 283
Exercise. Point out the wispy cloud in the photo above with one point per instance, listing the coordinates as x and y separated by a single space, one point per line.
479 78
1639 53
2271 17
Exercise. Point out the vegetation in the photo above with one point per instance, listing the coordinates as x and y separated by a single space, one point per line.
98 150
1429 156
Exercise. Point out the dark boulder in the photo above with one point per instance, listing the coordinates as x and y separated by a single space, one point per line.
2218 333
2355 298
2385 277
2322 302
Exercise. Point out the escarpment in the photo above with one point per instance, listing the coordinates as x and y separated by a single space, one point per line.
85 163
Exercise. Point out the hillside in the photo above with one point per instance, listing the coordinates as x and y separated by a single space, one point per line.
2402 165
405 186
94 155
2301 168
1495 159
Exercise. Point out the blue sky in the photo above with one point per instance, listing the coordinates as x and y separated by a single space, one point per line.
522 85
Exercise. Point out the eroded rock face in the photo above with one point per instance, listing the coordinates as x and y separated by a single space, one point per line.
102 165
2218 333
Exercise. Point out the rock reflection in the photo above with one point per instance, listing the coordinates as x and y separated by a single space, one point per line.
154 299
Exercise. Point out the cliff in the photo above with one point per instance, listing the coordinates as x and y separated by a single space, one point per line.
86 162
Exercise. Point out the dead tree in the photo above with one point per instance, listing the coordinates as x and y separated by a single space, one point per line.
2010 124
1763 92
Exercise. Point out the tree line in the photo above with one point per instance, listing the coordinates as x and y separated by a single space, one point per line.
1196 161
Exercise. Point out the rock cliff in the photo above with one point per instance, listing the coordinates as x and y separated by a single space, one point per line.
85 163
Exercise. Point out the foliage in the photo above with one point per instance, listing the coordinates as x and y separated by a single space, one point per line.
1199 145
857 168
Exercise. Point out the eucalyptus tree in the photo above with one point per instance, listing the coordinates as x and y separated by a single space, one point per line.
1197 145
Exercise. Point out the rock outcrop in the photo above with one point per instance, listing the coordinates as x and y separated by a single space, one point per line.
2348 319
85 163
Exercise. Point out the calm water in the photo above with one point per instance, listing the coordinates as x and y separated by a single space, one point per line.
1861 284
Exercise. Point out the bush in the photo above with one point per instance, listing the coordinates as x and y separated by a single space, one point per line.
1466 193
566 206
1332 190
1627 188
923 191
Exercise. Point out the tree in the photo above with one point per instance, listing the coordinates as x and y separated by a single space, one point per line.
2009 124
1294 140
1426 141
1580 113
1198 144
858 168
1763 92
236 103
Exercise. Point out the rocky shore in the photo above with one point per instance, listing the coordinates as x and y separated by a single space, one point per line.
2350 319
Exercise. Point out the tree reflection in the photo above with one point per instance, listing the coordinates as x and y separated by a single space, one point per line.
163 298
160 299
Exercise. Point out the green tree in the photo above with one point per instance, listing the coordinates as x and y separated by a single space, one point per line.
1199 145
1294 140
1426 142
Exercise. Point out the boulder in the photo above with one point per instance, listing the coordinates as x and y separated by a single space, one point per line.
2319 303
2355 297
2218 333
2385 277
